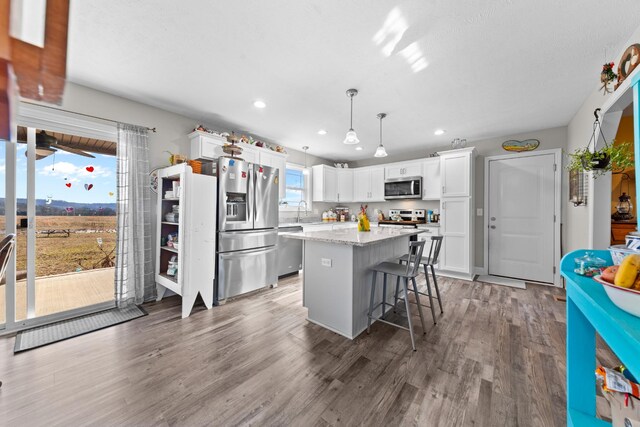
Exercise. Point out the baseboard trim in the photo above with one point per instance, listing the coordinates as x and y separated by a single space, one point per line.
503 281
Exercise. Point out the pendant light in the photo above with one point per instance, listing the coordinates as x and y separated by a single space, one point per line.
305 171
380 151
351 137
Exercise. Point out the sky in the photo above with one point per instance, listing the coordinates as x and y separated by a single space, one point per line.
64 176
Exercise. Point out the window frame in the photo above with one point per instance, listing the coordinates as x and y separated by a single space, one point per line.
307 188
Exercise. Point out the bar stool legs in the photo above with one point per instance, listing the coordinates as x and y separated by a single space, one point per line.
371 300
433 312
406 305
415 289
435 282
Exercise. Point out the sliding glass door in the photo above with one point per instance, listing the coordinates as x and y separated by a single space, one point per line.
64 215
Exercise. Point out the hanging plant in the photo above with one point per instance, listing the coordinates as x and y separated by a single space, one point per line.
610 158
607 76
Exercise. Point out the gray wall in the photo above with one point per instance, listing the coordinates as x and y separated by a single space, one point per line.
549 138
579 132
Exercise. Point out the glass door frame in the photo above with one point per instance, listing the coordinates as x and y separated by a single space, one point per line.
32 117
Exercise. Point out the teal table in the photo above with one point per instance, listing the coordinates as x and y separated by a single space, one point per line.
589 310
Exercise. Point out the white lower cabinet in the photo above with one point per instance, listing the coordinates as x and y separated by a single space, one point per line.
455 226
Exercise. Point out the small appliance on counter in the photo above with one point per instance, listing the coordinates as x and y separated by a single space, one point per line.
247 227
404 218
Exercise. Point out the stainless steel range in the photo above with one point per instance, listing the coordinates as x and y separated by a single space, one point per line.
247 227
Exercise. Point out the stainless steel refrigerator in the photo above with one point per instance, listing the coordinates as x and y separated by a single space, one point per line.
247 227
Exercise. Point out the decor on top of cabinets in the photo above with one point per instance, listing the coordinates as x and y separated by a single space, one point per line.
458 143
610 158
520 146
380 151
351 137
628 63
607 76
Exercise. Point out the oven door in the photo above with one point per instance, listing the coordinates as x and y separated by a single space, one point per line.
403 188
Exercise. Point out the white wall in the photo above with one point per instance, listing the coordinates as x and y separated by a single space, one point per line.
549 138
579 131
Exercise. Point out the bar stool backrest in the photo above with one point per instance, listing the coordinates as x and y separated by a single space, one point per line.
415 255
6 248
434 250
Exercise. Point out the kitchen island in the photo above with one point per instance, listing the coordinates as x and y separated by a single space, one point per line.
337 274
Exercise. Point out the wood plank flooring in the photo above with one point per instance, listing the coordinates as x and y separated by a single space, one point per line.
495 358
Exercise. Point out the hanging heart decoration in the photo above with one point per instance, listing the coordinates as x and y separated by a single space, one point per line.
111 193
88 187
89 168
68 184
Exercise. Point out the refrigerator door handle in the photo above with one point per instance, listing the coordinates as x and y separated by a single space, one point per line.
251 196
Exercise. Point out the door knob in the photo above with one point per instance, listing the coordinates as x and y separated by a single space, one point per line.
493 218
493 227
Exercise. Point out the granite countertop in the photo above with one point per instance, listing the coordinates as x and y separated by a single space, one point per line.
354 237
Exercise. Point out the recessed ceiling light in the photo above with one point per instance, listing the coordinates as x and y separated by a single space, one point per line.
439 132
322 132
359 148
259 104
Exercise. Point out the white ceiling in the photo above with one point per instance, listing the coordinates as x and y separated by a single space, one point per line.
495 67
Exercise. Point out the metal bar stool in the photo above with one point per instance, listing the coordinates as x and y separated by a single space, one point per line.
428 261
411 270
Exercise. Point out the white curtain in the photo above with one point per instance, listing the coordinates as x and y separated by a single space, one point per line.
134 267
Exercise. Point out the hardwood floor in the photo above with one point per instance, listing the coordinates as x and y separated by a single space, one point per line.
496 357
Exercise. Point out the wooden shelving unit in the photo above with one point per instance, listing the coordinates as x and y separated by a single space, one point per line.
196 229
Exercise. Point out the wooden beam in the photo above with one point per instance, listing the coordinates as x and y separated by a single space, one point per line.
53 64
5 113
26 60
5 44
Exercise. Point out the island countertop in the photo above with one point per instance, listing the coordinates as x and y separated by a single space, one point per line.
353 237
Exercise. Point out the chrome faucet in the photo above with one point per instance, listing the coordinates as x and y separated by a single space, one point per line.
305 209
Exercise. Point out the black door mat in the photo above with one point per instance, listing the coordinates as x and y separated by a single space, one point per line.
59 331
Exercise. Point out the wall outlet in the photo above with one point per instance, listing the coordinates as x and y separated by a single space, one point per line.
479 212
325 262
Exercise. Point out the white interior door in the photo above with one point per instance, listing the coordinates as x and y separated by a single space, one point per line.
521 217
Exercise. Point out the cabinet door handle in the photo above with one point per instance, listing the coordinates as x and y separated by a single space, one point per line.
443 189
444 205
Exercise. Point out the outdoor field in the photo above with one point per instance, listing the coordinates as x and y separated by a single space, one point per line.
59 253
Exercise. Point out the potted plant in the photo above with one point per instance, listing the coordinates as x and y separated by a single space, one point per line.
610 158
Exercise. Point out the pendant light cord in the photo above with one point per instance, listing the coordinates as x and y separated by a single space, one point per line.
351 122
380 131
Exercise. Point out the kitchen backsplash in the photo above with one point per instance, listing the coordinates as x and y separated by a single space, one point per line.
318 207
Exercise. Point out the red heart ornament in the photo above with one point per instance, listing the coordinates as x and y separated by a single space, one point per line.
68 184
89 168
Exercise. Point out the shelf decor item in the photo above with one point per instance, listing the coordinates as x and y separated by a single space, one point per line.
363 220
610 158
607 76
516 146
629 61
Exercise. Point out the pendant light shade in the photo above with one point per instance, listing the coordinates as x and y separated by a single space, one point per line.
351 137
380 151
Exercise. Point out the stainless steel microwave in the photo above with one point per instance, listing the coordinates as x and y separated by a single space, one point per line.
403 188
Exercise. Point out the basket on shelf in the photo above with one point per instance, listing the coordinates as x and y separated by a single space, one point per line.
196 166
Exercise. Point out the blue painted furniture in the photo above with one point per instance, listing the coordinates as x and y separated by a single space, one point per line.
589 310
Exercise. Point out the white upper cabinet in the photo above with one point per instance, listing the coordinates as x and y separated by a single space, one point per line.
206 146
455 170
325 184
368 184
377 185
361 184
345 185
403 170
431 183
279 161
